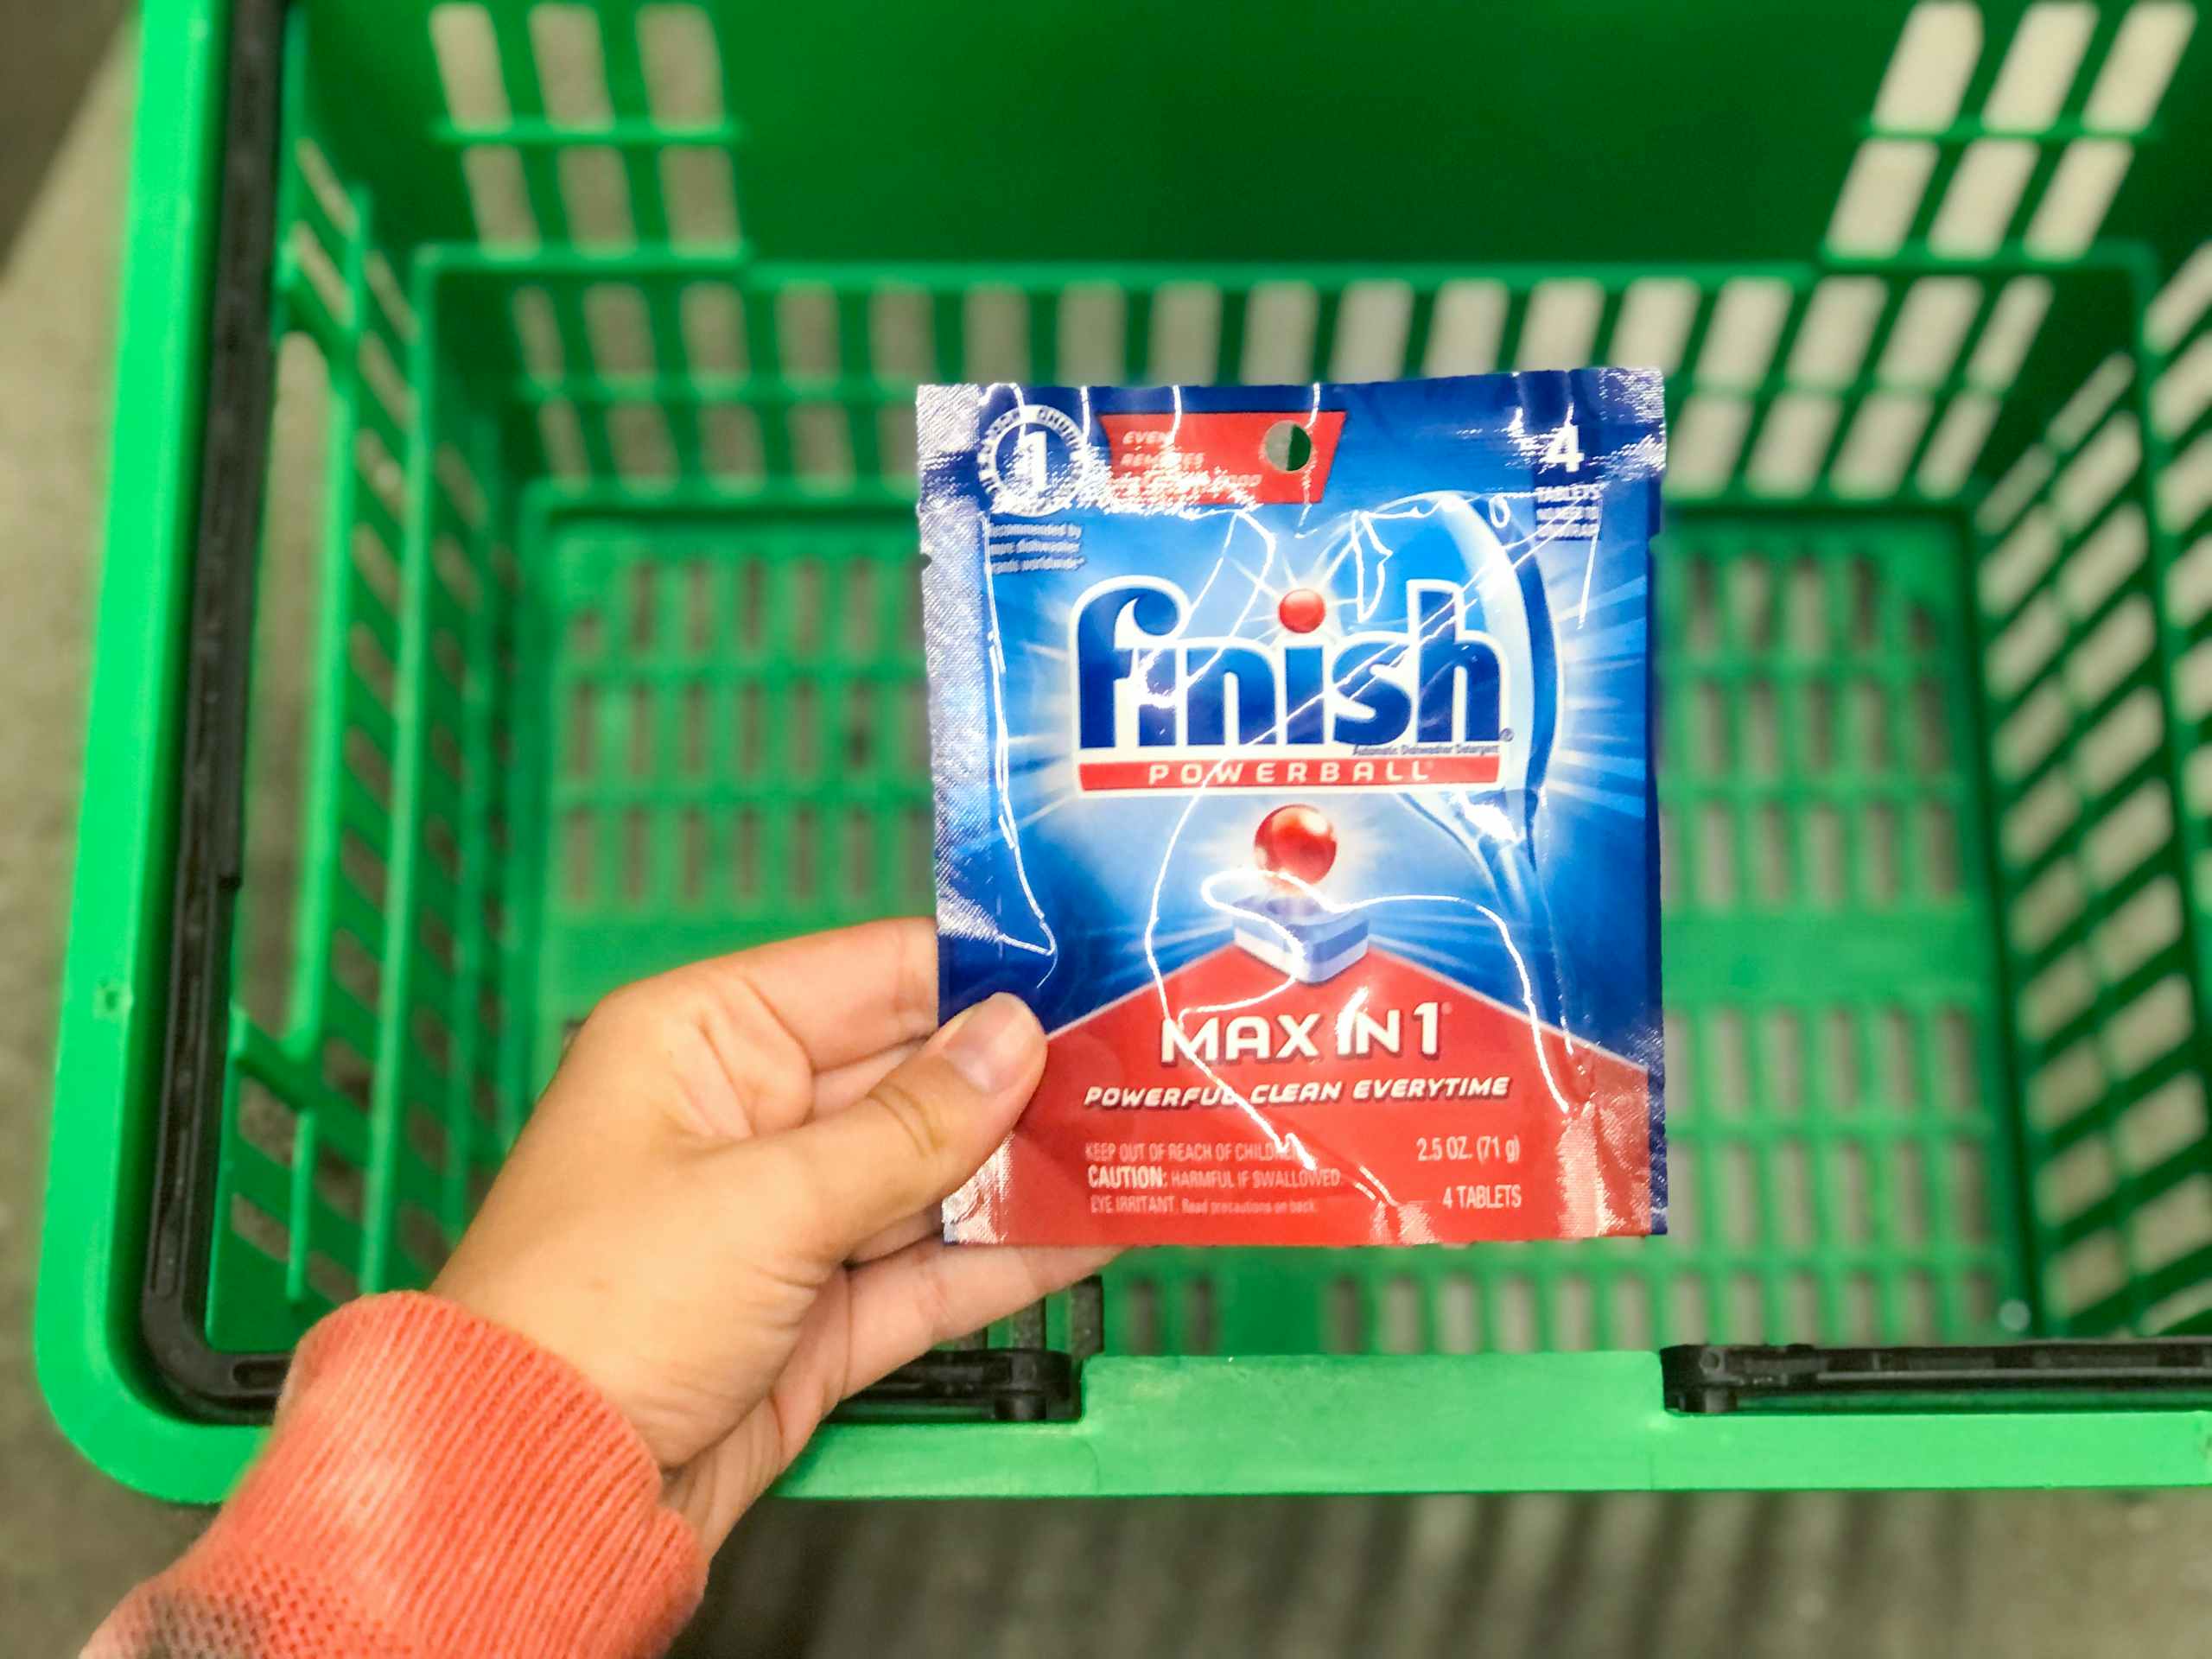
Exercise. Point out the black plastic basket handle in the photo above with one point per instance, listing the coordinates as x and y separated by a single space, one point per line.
1719 1378
210 773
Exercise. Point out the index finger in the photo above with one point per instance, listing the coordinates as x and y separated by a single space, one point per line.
843 995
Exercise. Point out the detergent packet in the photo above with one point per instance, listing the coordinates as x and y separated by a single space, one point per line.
1292 760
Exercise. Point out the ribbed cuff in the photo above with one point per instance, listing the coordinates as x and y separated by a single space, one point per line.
437 1484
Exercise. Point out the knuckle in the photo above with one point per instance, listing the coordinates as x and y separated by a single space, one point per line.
917 1118
917 979
639 1010
726 1056
742 1024
757 1057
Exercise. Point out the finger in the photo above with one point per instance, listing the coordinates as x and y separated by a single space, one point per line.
835 1089
926 1224
904 1304
841 996
907 1144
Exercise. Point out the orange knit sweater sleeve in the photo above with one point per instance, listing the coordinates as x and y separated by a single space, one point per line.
434 1484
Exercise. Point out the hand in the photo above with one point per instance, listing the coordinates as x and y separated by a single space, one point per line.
723 1212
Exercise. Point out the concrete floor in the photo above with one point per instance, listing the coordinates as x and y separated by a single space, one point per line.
2083 1575
52 51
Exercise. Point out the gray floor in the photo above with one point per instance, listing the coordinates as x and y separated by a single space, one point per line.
51 50
2083 1576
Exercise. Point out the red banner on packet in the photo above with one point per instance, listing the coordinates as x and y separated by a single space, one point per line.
1355 1126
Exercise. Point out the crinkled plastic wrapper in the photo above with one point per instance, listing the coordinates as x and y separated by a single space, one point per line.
1292 754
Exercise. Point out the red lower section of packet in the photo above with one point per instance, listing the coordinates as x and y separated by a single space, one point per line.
1230 1104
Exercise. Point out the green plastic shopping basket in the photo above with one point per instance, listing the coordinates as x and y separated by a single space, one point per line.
590 331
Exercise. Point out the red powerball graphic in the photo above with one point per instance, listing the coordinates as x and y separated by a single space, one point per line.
1233 1104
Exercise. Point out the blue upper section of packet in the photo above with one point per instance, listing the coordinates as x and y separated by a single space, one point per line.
1420 608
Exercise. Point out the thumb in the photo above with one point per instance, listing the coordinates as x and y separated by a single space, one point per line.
914 1137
